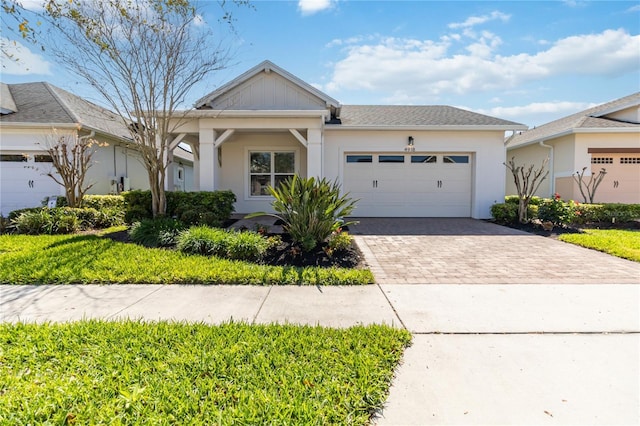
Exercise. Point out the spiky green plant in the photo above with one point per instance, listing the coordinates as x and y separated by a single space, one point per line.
310 208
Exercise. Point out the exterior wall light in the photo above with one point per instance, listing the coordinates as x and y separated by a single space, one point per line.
410 147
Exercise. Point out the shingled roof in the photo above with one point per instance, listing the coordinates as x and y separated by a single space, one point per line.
43 103
592 118
416 116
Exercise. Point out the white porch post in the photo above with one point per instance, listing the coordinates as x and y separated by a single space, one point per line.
169 174
195 150
208 162
314 153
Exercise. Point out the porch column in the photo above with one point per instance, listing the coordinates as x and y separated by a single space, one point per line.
207 159
314 153
169 174
169 179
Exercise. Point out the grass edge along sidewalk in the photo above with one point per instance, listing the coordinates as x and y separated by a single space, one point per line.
93 259
134 372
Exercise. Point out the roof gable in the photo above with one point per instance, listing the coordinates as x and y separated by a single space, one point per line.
616 115
43 103
267 87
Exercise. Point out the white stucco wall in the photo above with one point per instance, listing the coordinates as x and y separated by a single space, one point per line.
526 156
486 148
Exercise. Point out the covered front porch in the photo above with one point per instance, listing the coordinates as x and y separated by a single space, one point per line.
246 151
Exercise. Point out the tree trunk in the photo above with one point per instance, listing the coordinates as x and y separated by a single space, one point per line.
523 206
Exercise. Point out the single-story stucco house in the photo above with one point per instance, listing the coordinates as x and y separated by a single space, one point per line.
30 112
606 136
399 161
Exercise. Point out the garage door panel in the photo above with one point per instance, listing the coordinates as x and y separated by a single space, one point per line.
431 188
23 186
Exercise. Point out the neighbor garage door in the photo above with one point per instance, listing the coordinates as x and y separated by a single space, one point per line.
621 184
23 183
409 185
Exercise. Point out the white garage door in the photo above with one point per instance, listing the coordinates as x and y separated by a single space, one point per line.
21 185
409 185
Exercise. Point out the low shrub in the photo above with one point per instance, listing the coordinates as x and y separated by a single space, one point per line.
339 241
159 232
33 222
514 199
60 220
505 213
606 213
556 211
203 240
103 202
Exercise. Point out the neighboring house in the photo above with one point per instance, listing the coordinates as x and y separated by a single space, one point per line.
606 136
411 161
30 112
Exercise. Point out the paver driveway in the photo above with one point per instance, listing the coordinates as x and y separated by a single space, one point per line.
469 251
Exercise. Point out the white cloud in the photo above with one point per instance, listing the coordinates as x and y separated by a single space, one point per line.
17 59
560 108
33 5
309 7
537 113
633 9
477 20
406 68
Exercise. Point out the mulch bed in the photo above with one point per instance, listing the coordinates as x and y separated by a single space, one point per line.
534 228
287 253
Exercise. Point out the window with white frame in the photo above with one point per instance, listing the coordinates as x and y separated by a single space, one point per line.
269 168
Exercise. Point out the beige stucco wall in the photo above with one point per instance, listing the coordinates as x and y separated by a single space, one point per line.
525 156
571 154
487 149
626 175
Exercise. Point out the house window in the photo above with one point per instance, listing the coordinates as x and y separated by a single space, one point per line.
424 159
457 159
359 158
269 168
601 160
391 159
630 160
13 158
42 159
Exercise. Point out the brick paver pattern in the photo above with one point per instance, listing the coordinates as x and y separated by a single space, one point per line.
469 251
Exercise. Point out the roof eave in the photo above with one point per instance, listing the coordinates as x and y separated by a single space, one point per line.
577 131
72 126
428 127
212 113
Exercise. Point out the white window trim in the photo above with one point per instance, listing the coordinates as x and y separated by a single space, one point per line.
246 175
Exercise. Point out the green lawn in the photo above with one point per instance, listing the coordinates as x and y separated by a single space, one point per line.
66 259
96 372
621 243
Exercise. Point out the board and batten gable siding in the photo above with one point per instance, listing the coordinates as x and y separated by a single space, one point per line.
485 147
267 92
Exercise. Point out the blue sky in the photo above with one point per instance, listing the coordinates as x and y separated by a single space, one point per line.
529 62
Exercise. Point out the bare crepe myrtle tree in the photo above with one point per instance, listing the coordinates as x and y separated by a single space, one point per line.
588 189
142 57
527 180
72 156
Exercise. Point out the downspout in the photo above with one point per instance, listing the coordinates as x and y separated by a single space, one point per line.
551 171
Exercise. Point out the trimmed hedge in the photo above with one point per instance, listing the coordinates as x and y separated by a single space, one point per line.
565 213
103 202
191 208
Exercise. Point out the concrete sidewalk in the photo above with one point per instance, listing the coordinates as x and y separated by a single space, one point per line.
481 354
